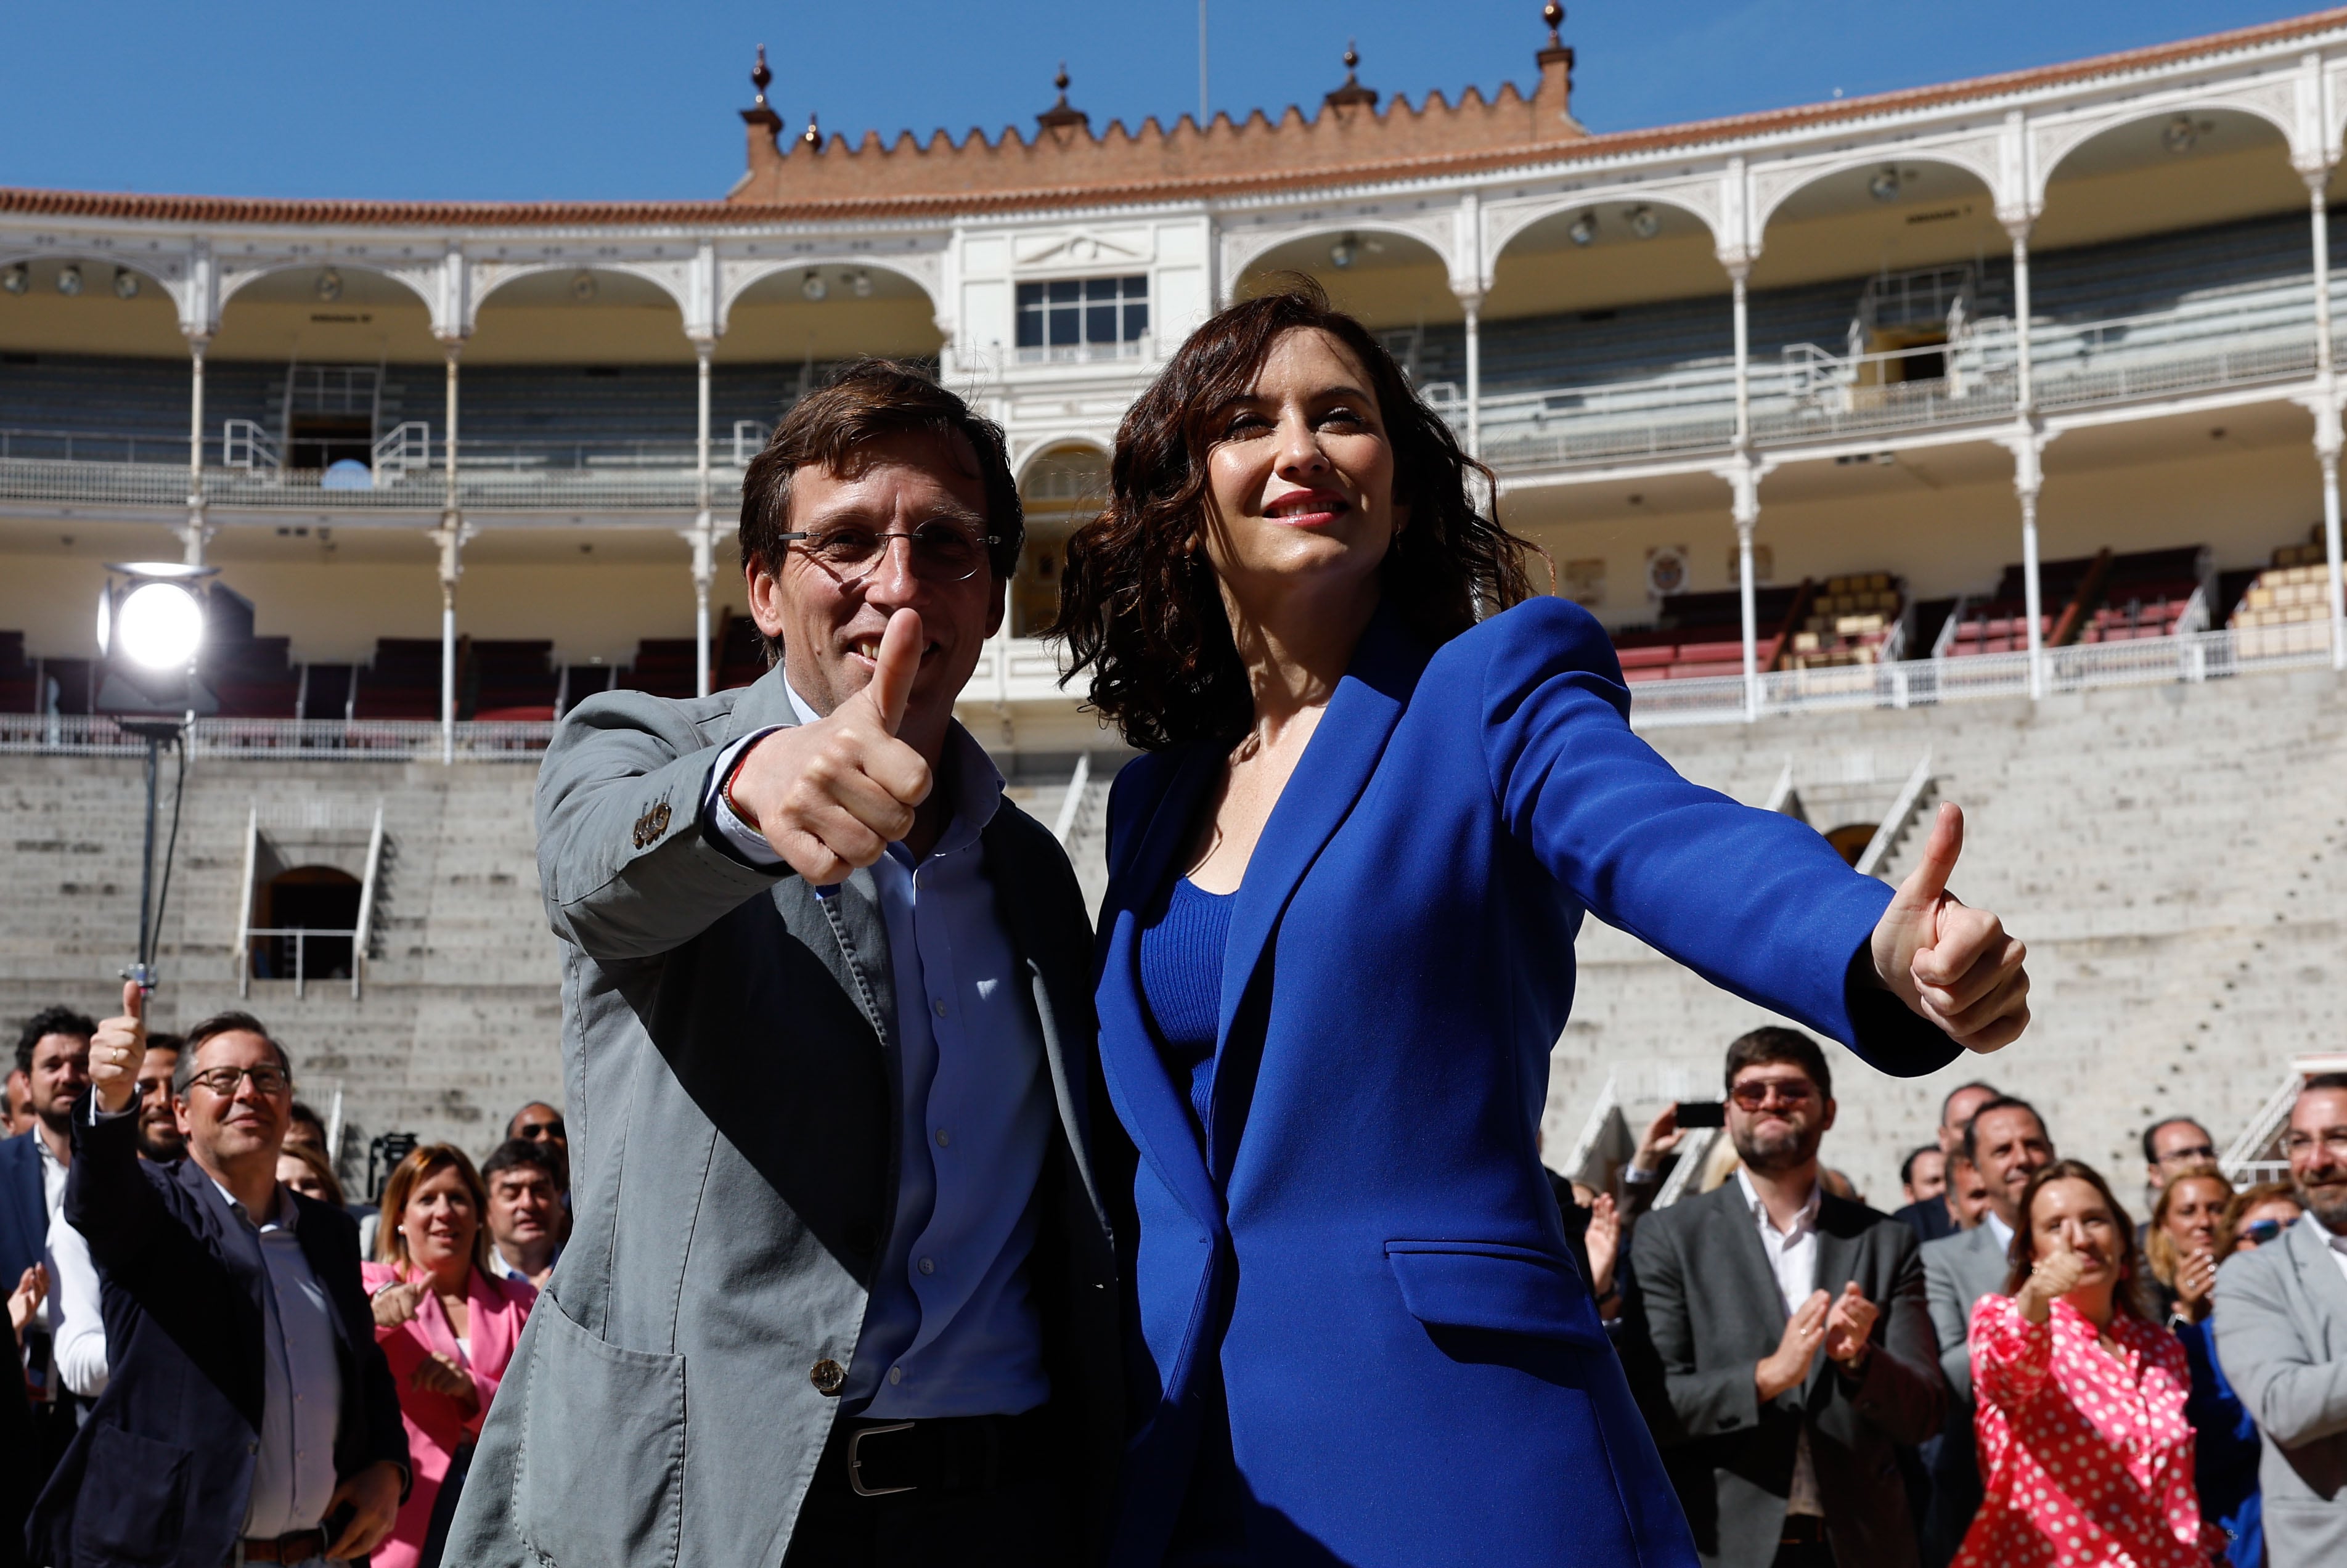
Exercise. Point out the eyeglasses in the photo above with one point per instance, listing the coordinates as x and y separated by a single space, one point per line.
2333 1142
942 552
2261 1231
224 1081
1755 1096
539 1131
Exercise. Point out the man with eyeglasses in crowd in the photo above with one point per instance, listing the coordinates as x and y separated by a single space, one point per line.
2281 1316
2170 1148
1795 1347
844 1165
250 1415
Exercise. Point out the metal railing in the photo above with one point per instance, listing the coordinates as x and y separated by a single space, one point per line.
299 740
93 446
1916 682
164 485
298 938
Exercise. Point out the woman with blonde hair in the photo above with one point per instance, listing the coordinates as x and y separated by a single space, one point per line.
1336 948
448 1326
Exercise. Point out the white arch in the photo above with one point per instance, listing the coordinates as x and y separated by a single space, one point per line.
1874 158
1045 446
2053 152
654 273
237 279
752 274
1241 259
1506 226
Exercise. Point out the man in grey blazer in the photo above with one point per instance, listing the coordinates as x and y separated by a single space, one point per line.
2282 1336
2006 1143
841 1285
1792 1339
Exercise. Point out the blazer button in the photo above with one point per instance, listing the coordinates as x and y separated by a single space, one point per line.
827 1376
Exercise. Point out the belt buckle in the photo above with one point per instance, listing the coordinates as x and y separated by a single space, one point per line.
855 1459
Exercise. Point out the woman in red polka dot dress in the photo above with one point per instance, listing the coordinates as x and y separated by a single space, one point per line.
2084 1452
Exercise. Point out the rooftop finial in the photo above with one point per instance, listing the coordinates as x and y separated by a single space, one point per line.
1060 116
761 77
1352 92
765 125
1553 15
811 138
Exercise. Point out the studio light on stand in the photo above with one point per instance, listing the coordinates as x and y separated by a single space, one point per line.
150 628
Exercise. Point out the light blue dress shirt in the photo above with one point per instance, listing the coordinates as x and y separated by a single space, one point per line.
951 1327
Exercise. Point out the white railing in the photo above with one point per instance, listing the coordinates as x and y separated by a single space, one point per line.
298 937
143 484
2203 656
244 444
305 740
408 449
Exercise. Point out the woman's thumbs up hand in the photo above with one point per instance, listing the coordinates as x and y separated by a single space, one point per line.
1952 964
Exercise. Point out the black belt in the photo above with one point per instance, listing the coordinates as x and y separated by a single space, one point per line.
301 1546
946 1456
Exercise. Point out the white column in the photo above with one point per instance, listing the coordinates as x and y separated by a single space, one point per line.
450 537
2326 410
199 528
2028 473
2024 391
703 544
2326 452
1745 479
2028 478
1473 305
1736 273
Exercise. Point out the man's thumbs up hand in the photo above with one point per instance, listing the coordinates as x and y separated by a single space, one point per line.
1952 964
831 796
117 1050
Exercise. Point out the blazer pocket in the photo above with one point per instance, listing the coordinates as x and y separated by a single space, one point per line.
134 1503
602 1477
1495 1285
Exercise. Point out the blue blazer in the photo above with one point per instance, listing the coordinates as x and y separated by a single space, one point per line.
1415 1374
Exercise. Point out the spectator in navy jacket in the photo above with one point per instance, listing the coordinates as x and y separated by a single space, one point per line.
249 1415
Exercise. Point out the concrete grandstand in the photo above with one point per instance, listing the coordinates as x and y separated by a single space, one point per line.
1977 441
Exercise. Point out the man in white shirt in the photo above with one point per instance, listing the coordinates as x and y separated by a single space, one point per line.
2281 1315
2005 1142
76 1305
53 1060
1795 1350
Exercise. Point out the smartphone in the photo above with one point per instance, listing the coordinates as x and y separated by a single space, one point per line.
1703 1112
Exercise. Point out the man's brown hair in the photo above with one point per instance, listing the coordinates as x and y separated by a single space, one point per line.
868 400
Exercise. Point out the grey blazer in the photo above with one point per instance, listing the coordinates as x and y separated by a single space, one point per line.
1958 1270
2282 1338
1708 1306
728 1072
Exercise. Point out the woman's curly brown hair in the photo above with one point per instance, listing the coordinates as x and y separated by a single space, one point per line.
1139 603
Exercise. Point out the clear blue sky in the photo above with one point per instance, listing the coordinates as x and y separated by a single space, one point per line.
527 99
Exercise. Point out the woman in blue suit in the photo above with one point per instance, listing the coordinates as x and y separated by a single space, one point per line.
1337 950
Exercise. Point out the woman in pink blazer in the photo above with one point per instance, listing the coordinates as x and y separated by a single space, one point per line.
448 1326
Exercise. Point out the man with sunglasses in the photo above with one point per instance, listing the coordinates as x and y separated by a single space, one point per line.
250 1415
1795 1346
2281 1316
841 1287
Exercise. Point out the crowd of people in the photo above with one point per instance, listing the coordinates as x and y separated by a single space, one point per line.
224 1359
2007 1370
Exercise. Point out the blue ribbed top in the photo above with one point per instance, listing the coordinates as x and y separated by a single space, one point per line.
1181 981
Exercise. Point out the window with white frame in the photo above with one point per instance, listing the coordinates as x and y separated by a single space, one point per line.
1075 319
